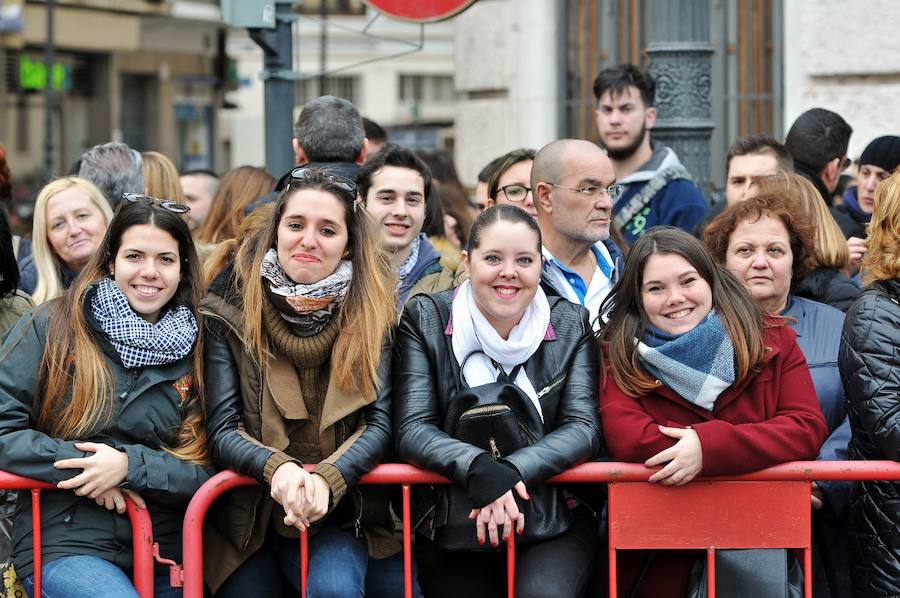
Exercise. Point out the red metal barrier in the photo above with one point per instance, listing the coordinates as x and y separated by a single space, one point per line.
630 494
142 530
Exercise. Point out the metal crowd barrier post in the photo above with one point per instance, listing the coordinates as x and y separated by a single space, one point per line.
628 487
141 527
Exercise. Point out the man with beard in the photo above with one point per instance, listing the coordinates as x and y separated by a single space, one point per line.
658 189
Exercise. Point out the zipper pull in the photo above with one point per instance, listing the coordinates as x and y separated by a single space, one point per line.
356 528
495 452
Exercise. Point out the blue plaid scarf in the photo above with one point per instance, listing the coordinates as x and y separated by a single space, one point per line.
698 365
138 342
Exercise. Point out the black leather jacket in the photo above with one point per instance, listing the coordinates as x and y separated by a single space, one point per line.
870 369
563 371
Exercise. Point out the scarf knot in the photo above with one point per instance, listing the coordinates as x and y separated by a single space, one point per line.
138 342
698 365
480 349
306 307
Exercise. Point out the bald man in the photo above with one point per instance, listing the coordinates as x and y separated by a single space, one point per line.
574 188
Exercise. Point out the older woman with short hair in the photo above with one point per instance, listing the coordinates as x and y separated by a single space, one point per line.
828 255
768 243
70 219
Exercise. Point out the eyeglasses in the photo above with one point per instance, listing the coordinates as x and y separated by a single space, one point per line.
845 163
515 192
302 173
614 191
166 204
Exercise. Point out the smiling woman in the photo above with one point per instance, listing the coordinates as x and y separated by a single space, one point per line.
297 325
91 429
697 381
70 218
500 338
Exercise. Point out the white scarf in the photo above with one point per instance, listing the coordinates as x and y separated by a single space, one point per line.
476 342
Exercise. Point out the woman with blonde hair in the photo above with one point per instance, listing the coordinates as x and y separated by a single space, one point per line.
128 418
297 324
828 255
161 177
870 368
238 188
70 219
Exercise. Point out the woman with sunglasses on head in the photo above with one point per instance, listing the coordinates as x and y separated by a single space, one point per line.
510 182
697 380
297 324
126 418
501 338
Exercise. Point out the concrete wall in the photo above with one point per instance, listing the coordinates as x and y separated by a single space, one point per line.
507 75
844 56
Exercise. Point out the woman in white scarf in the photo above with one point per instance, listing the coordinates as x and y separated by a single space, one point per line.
499 326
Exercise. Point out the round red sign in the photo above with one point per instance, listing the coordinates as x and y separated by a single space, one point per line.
420 11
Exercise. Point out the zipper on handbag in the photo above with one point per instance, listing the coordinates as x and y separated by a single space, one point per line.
495 452
484 409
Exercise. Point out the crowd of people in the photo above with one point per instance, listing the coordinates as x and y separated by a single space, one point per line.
586 303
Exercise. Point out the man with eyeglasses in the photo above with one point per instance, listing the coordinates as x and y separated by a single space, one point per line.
658 189
574 185
818 141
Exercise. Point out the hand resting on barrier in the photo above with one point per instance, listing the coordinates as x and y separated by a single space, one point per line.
500 513
114 499
102 471
303 495
685 458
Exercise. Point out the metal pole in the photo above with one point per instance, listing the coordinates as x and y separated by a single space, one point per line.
49 97
279 88
323 47
680 62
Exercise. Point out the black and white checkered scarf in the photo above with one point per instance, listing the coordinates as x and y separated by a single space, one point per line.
138 342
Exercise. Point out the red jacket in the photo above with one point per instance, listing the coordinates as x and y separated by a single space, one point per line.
770 418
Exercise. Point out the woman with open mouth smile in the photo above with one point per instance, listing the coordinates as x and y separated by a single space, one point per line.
698 381
532 361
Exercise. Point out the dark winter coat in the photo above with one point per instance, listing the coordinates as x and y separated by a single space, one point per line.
870 368
829 286
563 371
147 416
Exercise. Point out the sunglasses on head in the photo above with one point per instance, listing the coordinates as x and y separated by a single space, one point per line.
166 204
302 173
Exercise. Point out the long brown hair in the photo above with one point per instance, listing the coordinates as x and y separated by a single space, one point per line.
238 188
90 385
625 318
369 310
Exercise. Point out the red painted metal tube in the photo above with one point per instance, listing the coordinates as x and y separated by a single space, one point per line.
192 531
141 526
397 473
407 543
304 563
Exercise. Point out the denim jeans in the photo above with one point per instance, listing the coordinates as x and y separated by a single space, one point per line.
339 566
90 577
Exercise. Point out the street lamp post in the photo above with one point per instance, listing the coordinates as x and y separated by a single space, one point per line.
49 96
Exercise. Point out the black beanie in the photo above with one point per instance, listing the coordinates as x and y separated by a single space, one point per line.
884 153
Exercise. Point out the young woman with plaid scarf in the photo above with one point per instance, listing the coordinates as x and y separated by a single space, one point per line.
698 381
297 325
100 394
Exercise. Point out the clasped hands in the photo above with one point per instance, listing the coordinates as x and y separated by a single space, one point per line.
100 476
503 512
303 495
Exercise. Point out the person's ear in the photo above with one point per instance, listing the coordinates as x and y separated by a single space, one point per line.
363 152
464 262
299 154
830 173
541 194
650 117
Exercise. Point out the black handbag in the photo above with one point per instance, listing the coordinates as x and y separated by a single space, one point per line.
752 573
501 419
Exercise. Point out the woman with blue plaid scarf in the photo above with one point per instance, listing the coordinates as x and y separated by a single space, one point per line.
100 394
698 381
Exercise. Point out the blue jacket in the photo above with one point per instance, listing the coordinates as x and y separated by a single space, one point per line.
818 329
677 202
